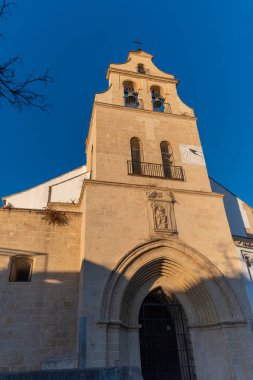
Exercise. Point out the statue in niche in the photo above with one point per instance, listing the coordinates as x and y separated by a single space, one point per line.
161 220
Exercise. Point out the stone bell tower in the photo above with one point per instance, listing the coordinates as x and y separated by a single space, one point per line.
153 231
142 102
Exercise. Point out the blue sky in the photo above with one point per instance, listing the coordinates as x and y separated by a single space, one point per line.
206 44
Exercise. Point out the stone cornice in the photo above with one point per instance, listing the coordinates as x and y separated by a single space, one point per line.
155 114
38 211
89 182
139 75
19 252
243 241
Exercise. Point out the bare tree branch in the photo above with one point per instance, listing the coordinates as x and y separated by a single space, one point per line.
5 8
20 94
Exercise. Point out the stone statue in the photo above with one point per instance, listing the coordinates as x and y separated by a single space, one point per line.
160 218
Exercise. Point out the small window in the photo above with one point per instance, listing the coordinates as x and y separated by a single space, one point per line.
157 99
130 95
21 269
141 69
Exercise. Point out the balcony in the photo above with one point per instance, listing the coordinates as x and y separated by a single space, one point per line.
147 169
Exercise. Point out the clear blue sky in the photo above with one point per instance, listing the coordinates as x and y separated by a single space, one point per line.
206 44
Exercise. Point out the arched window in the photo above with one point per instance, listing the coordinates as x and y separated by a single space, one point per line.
130 95
167 158
21 269
136 153
157 99
141 69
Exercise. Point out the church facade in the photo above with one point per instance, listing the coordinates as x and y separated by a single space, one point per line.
129 260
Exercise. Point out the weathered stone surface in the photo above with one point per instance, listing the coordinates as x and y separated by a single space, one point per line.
117 373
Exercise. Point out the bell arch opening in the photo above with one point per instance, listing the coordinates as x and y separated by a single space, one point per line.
165 343
130 95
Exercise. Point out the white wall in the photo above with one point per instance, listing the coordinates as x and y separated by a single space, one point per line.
236 215
64 188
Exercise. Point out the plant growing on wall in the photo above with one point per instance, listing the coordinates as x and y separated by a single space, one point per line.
54 217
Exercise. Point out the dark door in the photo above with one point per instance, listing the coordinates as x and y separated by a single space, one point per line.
165 353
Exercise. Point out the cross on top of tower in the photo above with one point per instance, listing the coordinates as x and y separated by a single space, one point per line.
138 43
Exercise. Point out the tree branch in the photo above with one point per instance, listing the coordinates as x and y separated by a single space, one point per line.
20 94
5 8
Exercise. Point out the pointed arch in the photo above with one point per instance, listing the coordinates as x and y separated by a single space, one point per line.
178 269
165 339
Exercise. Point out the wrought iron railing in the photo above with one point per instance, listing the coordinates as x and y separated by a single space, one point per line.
148 169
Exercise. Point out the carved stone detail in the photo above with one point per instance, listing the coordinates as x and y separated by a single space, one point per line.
164 217
161 213
160 218
172 197
154 194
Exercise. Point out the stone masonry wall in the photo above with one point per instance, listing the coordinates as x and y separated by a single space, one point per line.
116 373
38 319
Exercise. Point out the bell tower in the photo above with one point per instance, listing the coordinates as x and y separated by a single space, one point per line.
152 226
142 133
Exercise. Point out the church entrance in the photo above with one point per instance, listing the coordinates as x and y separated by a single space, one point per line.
164 339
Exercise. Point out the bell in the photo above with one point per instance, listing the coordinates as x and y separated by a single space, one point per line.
157 102
130 98
141 69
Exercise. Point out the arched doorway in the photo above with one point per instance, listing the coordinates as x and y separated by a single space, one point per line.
165 345
208 299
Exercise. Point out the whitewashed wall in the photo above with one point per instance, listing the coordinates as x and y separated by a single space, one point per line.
236 215
65 188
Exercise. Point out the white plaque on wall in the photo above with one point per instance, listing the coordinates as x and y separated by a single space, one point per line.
192 154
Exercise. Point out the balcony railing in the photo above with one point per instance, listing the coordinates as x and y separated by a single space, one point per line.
148 169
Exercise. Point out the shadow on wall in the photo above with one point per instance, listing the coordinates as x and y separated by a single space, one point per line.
217 320
39 318
75 374
64 320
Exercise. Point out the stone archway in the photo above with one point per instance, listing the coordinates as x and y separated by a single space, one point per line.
178 269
